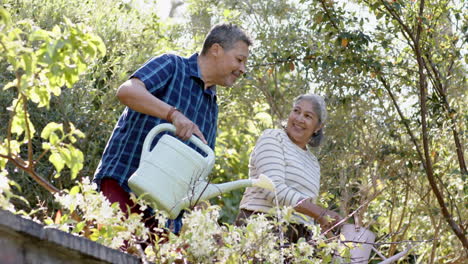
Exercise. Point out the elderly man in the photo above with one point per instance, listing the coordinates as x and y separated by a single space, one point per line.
173 89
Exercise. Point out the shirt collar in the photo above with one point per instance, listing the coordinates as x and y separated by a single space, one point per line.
196 73
194 69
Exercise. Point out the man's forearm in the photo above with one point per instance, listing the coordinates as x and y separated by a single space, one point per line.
134 94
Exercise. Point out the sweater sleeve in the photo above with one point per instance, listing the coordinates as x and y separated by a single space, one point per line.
269 159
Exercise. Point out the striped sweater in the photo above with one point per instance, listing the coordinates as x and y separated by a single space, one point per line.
294 171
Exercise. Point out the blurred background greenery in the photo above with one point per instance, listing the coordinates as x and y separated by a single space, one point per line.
367 58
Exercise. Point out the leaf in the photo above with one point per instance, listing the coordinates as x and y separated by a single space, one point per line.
100 45
5 16
318 18
94 235
29 64
70 77
76 162
75 190
17 126
56 30
322 244
48 221
79 134
9 85
270 71
46 145
57 160
344 42
50 128
17 186
14 147
54 139
79 227
40 34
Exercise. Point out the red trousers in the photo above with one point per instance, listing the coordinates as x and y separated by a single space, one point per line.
112 190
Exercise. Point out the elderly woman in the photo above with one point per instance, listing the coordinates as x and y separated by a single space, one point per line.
284 156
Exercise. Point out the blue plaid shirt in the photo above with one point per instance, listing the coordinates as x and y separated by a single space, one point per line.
176 81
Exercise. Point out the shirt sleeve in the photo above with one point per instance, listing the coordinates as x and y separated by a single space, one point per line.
269 159
157 72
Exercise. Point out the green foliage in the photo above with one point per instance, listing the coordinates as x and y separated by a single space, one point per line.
236 137
130 37
44 61
365 65
41 63
63 154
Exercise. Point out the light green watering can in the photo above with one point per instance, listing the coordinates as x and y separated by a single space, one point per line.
173 176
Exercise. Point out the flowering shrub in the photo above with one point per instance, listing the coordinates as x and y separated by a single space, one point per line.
86 212
5 192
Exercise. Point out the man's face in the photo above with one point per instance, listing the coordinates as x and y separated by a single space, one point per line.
231 63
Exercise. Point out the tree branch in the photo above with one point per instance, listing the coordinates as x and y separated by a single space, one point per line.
27 166
400 223
28 129
407 33
21 164
443 94
403 119
327 12
429 170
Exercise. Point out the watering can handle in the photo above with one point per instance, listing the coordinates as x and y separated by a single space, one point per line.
171 128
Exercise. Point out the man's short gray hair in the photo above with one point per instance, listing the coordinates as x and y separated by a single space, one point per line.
225 35
320 109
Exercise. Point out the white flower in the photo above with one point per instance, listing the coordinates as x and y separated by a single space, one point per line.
117 242
88 186
4 182
85 181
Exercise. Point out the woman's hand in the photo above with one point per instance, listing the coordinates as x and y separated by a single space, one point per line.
326 218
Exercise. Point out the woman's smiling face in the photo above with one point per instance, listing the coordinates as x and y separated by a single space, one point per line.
302 123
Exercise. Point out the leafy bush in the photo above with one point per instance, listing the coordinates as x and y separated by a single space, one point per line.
374 135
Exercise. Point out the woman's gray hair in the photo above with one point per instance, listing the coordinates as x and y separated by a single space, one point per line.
225 35
320 109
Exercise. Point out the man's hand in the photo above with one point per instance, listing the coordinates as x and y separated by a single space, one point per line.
185 128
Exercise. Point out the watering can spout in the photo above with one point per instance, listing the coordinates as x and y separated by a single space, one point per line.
172 175
213 190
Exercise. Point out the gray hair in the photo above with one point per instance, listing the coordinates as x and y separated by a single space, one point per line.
320 109
225 35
